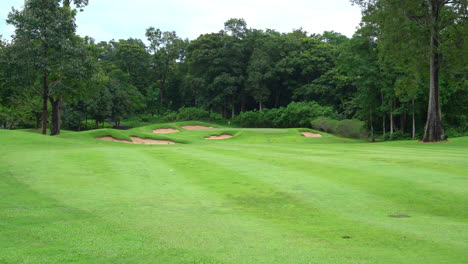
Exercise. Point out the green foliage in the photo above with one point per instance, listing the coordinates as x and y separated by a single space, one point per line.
192 113
215 116
398 135
300 114
349 128
170 116
296 114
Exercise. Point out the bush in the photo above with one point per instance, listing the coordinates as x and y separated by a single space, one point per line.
350 128
192 113
398 135
294 115
300 114
325 124
169 116
215 116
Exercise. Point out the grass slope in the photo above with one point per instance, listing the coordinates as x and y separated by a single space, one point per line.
263 196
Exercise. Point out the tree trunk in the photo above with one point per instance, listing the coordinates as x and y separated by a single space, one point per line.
96 125
233 110
277 97
242 110
391 121
434 130
383 119
372 126
383 124
403 122
45 96
38 120
56 111
413 134
261 105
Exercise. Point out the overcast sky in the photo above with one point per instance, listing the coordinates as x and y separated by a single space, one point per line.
122 19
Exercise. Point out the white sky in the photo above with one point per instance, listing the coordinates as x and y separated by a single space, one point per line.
122 19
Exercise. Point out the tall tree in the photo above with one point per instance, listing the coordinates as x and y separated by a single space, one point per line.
167 49
404 25
44 39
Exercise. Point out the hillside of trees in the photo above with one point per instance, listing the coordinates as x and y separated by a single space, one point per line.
386 75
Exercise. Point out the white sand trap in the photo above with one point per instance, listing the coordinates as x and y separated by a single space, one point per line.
165 131
310 134
222 136
196 127
139 141
113 139
147 141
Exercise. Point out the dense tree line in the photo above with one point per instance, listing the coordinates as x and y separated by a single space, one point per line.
386 74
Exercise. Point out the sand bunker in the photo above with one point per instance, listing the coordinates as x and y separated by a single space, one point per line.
139 141
222 136
113 139
196 127
165 131
147 141
310 134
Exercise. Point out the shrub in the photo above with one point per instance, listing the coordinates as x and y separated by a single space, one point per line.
300 114
215 116
398 135
350 128
192 113
248 119
294 115
325 124
169 116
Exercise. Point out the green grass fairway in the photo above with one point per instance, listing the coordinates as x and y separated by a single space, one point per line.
263 196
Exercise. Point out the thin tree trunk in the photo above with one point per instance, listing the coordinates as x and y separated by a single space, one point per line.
434 130
242 110
56 110
403 122
96 125
372 127
383 124
391 120
277 97
413 134
45 97
233 110
383 119
38 120
261 105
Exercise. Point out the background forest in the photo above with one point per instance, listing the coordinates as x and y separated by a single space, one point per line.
374 84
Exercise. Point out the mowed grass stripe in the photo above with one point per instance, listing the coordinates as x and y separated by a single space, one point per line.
178 214
389 182
433 172
299 216
338 195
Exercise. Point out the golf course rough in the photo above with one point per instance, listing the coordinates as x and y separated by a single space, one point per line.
263 196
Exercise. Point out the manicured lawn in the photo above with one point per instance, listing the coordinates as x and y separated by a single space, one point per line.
263 196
